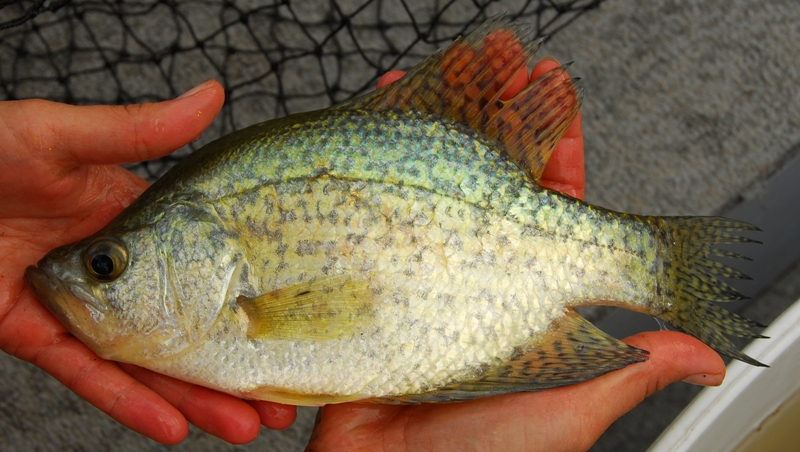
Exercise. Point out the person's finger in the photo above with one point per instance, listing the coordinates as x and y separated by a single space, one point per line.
275 416
565 169
674 357
520 82
31 333
221 415
103 134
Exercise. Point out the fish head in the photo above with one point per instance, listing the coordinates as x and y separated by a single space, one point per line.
104 291
143 294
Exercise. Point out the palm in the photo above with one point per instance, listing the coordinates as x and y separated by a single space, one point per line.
62 203
46 202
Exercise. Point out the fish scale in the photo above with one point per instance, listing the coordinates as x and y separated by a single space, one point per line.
487 244
396 248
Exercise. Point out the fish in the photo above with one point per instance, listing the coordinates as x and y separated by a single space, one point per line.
395 248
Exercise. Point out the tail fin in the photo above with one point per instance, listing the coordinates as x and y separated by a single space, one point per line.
690 281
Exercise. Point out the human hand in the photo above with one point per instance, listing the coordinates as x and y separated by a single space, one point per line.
562 419
61 183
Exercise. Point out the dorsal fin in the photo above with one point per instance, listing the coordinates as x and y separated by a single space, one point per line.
463 82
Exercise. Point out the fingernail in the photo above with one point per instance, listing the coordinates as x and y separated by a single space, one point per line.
704 379
196 89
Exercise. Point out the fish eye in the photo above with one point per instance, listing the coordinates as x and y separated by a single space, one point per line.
105 259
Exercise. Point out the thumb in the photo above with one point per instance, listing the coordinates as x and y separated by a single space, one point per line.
674 357
104 134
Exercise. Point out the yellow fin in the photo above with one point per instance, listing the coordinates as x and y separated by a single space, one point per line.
325 308
572 351
295 398
464 81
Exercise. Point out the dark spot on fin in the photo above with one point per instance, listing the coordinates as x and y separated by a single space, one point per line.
572 351
325 308
463 83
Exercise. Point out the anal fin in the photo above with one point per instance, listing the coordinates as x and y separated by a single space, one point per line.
572 351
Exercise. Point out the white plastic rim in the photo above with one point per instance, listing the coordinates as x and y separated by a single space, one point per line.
719 419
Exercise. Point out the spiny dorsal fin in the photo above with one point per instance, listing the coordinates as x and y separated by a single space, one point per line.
324 308
572 351
463 82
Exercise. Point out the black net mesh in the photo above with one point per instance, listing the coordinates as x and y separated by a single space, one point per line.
273 58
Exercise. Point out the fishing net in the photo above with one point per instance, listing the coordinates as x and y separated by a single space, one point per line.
272 57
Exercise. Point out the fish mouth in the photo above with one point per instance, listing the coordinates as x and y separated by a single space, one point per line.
37 280
60 298
49 290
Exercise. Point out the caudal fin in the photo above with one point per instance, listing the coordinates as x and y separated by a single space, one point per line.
690 283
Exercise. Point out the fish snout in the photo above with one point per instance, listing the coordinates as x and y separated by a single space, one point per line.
40 282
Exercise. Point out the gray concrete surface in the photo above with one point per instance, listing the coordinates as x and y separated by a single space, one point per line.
690 107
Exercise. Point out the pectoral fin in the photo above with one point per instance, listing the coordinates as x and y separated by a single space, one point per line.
325 308
572 351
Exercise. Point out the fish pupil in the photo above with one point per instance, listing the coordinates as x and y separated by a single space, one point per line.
102 264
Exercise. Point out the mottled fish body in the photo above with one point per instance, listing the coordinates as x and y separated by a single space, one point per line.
395 248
